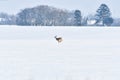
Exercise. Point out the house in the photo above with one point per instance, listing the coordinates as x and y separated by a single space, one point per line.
91 22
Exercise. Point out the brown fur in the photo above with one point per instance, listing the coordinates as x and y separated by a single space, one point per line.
59 39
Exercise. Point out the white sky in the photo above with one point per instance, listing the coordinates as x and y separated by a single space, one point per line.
86 6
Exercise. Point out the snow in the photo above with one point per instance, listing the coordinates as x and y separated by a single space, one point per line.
86 53
91 22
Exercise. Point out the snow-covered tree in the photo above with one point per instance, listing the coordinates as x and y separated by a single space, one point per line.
103 13
116 22
77 17
6 19
108 21
44 16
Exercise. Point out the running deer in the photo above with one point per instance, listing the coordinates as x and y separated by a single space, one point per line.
59 39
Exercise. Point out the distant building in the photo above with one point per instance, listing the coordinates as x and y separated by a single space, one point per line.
2 19
91 22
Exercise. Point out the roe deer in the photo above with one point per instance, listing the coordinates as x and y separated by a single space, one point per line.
59 39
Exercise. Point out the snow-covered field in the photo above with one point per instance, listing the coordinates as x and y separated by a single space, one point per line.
86 53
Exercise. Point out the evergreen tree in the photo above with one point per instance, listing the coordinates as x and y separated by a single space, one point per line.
77 17
108 21
103 13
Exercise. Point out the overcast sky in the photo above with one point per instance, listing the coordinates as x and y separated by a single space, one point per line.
86 6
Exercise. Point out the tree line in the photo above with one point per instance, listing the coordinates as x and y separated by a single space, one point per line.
44 15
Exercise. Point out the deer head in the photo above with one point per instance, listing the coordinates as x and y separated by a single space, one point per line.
59 39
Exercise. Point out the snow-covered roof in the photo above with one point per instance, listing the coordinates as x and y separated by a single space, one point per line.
91 22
